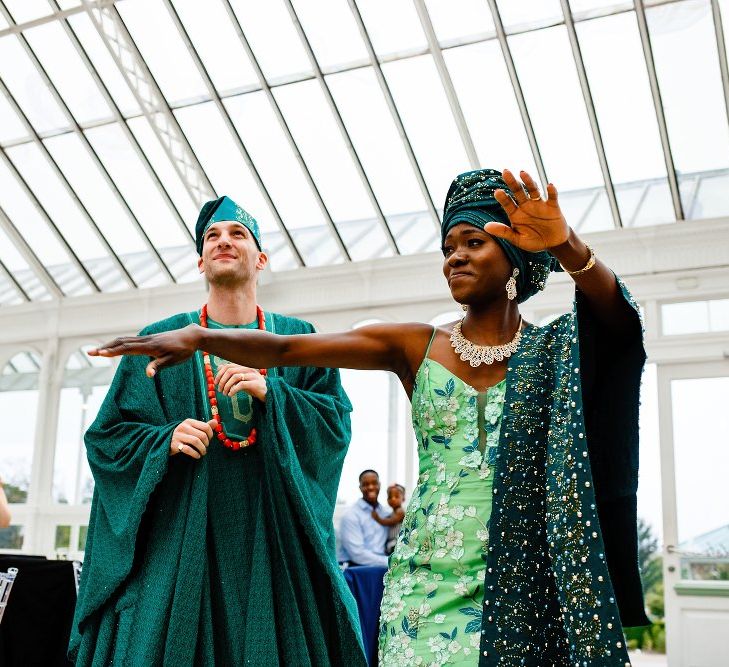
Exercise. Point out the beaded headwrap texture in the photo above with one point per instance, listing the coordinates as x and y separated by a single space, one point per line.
471 200
219 210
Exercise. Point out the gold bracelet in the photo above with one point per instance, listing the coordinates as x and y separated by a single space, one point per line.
590 263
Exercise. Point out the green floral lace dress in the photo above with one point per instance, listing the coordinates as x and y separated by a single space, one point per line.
432 605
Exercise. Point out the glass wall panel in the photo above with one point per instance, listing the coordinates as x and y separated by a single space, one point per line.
85 383
18 396
701 446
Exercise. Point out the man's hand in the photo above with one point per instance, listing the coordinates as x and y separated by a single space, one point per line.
231 378
192 438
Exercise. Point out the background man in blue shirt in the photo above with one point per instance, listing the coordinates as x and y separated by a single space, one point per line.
361 538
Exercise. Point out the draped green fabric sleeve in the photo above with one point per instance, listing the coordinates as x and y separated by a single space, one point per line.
612 368
128 451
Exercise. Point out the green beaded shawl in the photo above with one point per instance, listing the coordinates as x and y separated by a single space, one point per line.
562 570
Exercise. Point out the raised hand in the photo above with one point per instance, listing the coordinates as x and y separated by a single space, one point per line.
536 223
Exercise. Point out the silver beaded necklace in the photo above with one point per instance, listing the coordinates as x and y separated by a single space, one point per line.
482 354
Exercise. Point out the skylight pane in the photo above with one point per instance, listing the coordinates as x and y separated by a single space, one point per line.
528 12
27 87
68 73
376 140
484 90
28 221
562 130
684 46
216 41
393 26
272 36
91 187
331 31
324 150
629 131
162 166
274 159
453 20
53 196
428 121
103 62
27 10
215 147
162 48
130 176
11 127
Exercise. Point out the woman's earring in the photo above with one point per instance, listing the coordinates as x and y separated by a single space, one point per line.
511 285
464 306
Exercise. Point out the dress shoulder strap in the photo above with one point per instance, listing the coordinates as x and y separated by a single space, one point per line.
430 342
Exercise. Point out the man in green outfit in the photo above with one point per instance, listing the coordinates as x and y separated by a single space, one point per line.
210 539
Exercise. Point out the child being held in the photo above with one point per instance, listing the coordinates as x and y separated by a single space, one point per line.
395 499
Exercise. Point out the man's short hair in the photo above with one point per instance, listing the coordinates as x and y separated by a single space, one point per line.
365 472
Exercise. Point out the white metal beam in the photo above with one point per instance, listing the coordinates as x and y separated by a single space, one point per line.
447 83
119 118
266 88
28 254
394 113
133 68
721 52
235 136
359 167
591 112
649 258
660 112
518 93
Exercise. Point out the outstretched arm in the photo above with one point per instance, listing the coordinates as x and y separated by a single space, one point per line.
389 347
538 224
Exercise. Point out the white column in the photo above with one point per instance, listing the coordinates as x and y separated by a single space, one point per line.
393 432
38 535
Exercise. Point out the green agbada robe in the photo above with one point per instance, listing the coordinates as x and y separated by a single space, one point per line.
227 560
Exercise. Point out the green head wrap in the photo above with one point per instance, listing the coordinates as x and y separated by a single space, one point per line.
471 200
223 209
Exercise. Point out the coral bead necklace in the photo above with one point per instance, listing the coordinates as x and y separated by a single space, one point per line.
212 398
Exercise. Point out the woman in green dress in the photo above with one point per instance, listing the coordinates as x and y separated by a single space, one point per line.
519 541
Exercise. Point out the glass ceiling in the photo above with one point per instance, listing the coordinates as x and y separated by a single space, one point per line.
338 124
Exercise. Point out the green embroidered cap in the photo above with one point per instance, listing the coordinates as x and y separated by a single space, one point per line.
223 209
